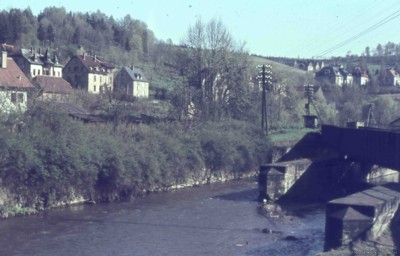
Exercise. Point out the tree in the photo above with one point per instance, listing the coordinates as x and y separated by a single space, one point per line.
379 50
216 68
367 52
51 35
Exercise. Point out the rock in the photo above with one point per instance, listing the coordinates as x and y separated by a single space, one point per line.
291 238
267 231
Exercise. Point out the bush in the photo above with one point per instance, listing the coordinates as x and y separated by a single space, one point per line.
53 158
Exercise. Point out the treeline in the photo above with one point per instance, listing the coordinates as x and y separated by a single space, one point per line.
124 39
48 158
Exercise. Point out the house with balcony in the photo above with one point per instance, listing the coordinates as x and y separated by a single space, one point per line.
132 82
35 62
14 86
90 73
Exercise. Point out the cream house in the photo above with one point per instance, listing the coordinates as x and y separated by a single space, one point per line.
132 82
89 73
14 86
35 63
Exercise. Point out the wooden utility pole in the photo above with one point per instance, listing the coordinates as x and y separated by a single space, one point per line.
265 76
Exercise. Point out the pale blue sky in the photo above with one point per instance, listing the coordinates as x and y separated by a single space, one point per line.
290 28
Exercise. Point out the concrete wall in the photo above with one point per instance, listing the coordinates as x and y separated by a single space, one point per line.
364 215
276 179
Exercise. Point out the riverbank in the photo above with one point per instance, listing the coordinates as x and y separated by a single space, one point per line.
17 210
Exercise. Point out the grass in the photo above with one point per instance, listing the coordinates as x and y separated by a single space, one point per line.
290 134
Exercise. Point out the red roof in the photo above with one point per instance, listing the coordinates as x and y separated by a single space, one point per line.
50 84
12 76
95 65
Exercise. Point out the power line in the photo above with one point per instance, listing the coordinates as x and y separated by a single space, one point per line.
362 33
347 31
336 28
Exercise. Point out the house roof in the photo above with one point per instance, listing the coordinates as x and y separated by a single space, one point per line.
78 112
95 64
135 73
358 72
36 57
13 77
50 84
332 71
392 72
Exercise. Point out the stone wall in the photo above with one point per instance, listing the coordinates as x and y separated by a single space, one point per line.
361 216
276 179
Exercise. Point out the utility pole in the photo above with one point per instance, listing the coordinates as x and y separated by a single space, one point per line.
265 76
309 90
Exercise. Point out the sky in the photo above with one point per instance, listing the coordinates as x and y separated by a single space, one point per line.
280 28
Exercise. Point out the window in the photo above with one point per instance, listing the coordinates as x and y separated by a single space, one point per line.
34 72
20 97
17 97
13 97
94 78
94 88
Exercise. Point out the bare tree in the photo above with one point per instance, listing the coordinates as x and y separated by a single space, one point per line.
214 67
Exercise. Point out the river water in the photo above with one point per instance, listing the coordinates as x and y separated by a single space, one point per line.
217 219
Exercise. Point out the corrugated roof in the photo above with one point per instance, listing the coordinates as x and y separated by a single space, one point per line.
50 84
12 76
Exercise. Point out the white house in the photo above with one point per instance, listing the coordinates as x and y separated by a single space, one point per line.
14 86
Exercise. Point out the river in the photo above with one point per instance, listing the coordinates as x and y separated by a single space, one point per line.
217 219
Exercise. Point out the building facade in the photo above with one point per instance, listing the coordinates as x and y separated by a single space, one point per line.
14 86
89 73
36 63
131 81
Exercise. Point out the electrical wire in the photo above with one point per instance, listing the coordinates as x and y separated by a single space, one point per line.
336 28
377 25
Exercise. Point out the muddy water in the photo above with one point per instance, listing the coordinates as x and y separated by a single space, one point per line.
218 219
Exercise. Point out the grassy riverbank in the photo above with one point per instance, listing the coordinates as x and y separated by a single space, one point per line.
49 159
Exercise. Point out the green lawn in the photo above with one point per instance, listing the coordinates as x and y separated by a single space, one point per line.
290 134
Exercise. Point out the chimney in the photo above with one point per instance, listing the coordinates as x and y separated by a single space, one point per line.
84 55
3 59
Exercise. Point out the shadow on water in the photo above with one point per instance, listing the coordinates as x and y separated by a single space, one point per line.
245 195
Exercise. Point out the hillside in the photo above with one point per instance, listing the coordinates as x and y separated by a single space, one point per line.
292 76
